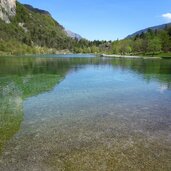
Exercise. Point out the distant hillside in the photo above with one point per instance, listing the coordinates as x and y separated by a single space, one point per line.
31 8
159 27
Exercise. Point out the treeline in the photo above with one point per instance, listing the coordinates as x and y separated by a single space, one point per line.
150 43
13 47
96 46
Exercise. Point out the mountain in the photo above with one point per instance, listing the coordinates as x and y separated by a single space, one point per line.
159 27
25 27
73 35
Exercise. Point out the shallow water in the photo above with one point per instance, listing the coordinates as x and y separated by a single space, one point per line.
104 114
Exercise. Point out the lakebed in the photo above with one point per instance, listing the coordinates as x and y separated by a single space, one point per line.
90 113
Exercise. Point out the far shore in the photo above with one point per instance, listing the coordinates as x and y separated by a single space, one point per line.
101 55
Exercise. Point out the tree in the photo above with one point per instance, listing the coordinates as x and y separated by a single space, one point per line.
165 40
154 45
138 46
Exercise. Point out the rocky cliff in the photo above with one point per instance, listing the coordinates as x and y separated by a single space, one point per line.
73 35
7 9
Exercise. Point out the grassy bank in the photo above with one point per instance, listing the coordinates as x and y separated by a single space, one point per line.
164 55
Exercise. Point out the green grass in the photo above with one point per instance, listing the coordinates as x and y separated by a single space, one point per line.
165 54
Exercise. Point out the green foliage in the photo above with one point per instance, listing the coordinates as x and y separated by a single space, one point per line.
149 43
154 45
13 47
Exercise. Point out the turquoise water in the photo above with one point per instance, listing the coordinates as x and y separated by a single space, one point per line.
104 114
65 56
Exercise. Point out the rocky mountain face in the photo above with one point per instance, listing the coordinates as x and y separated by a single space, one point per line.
73 35
25 29
7 9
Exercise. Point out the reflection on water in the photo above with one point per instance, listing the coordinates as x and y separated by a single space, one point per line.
85 114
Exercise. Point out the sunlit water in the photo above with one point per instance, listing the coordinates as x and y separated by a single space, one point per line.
104 115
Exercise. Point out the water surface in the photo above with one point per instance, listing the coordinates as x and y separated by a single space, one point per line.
85 114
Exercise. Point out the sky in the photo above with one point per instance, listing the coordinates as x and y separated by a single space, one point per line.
106 19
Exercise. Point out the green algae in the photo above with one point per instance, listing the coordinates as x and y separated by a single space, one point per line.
13 90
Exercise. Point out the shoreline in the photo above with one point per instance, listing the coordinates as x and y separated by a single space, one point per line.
135 57
97 55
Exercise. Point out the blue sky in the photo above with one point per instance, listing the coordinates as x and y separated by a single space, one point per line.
106 19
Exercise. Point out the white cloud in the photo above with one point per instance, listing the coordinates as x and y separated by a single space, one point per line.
167 16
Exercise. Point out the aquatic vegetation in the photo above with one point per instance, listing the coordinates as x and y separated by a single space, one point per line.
32 85
11 113
13 90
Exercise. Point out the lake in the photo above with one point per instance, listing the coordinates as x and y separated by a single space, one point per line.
84 113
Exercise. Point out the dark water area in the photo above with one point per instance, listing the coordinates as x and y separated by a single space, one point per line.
73 113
